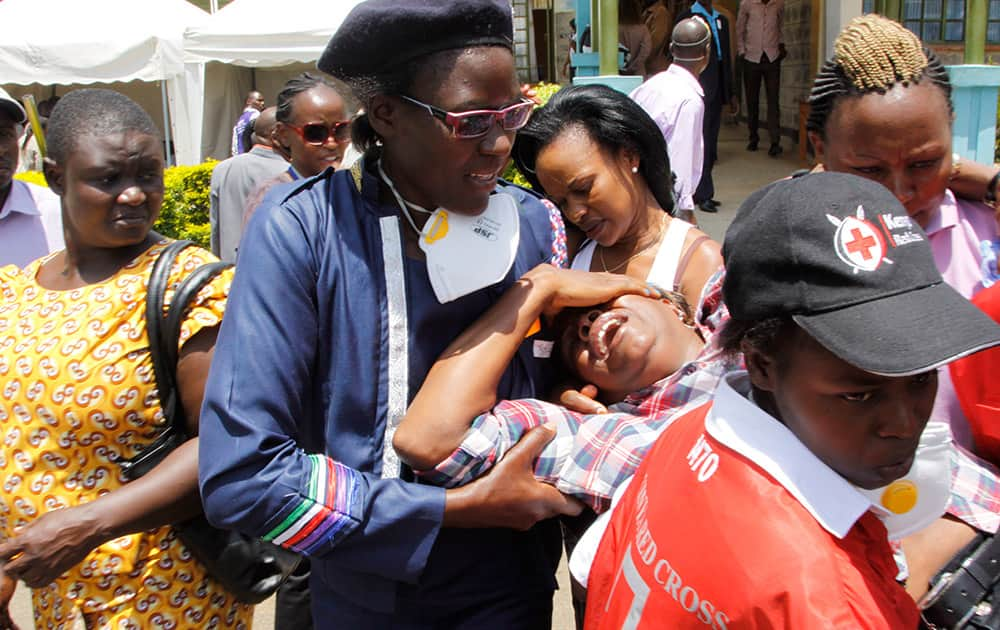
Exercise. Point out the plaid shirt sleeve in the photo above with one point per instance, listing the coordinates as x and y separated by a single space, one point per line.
493 434
592 454
587 459
975 491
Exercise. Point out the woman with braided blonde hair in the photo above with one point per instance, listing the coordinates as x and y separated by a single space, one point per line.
881 109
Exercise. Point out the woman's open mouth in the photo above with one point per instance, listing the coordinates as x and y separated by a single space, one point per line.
603 332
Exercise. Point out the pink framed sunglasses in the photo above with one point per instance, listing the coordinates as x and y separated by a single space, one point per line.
476 123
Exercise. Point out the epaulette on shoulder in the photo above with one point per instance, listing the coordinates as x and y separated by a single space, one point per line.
356 174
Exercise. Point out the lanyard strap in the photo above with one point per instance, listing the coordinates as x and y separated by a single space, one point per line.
403 204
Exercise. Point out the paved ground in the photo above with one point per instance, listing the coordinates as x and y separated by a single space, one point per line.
737 174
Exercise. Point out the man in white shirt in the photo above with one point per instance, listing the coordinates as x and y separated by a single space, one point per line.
675 101
30 215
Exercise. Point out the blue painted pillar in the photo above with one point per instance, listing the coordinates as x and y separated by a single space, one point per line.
974 93
585 64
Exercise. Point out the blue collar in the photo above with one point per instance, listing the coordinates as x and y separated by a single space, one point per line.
711 19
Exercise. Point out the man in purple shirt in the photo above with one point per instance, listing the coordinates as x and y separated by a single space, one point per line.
761 47
675 101
252 106
30 216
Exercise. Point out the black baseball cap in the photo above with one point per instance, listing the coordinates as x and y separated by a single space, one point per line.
378 35
839 254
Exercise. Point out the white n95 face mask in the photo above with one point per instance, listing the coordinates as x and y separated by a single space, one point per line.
916 500
467 253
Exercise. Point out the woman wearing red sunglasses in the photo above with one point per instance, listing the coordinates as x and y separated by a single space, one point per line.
349 286
312 129
312 133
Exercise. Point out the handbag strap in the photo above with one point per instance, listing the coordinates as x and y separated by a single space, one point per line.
163 329
968 580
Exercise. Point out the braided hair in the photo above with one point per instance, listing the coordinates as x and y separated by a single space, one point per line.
292 88
872 54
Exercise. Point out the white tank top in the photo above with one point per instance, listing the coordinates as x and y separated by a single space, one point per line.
663 272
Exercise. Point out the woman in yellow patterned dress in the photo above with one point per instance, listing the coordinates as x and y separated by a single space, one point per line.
77 392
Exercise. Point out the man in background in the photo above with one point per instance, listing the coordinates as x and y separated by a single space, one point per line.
30 215
717 82
234 179
674 100
31 156
659 19
761 47
252 107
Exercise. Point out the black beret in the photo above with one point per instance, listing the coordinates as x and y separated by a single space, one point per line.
378 35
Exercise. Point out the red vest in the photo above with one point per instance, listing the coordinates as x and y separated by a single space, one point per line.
975 380
704 538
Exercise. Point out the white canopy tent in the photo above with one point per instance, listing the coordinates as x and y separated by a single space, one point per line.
118 42
254 44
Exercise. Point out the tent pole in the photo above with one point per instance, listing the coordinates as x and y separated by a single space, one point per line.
166 123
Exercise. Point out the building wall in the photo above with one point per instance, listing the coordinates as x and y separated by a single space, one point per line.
798 69
954 54
524 58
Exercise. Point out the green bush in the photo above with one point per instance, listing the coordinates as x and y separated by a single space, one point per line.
543 92
185 201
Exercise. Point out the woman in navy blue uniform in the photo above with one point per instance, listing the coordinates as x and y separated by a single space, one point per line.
349 286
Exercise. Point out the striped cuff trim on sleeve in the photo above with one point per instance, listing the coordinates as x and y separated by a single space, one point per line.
324 513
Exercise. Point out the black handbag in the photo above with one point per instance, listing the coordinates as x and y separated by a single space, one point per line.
249 568
964 594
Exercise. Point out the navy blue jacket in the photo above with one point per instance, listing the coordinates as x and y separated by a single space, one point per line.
296 405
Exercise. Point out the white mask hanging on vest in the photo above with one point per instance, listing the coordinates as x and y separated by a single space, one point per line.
920 497
465 253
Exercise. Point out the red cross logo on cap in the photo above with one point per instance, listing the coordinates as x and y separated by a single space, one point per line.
861 244
858 243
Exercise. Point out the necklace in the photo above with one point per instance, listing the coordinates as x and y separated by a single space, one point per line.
659 237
